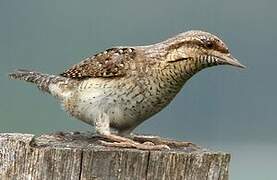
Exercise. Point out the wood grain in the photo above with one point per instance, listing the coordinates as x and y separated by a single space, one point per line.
79 156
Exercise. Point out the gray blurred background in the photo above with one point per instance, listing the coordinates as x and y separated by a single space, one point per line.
222 108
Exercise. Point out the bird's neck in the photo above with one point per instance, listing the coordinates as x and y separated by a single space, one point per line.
181 71
176 70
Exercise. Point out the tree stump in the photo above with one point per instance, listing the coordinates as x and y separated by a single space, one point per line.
78 156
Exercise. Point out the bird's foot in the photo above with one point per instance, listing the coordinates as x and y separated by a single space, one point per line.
163 141
123 142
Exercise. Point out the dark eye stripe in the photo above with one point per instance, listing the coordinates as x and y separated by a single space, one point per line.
202 42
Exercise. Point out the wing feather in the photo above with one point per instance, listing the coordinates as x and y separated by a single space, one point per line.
113 62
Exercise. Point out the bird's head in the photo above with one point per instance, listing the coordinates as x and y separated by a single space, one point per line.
203 48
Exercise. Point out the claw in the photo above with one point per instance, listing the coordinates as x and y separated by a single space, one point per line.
163 141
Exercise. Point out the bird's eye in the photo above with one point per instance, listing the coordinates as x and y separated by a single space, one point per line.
209 45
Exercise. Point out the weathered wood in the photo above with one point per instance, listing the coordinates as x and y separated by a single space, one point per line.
79 156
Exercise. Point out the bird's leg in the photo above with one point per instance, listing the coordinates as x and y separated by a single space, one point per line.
161 141
103 130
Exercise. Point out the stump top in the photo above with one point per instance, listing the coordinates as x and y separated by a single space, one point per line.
88 140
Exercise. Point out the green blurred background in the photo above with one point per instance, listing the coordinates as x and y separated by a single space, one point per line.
222 108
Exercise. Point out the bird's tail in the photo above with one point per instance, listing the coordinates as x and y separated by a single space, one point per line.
43 81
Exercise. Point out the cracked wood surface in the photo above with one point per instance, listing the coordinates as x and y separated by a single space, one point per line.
79 156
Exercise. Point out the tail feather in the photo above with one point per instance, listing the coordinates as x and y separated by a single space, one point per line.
41 80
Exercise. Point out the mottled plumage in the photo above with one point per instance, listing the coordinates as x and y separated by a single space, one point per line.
110 63
122 87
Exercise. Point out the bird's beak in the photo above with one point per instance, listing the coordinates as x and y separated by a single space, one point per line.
229 59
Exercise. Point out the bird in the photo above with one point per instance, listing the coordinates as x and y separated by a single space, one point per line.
118 89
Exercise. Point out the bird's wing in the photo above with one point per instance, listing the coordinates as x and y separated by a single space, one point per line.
110 63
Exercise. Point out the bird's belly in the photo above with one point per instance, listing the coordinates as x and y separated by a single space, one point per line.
92 103
125 106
